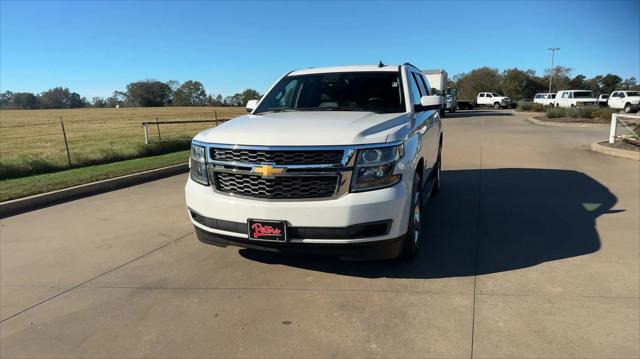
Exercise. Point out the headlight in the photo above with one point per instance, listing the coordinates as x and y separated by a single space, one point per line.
198 165
374 168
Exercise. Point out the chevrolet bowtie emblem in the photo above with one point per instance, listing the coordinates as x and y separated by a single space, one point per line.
267 170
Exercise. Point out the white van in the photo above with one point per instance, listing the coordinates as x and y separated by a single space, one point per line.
545 98
575 98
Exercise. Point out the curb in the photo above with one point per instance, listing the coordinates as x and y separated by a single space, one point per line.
562 124
26 204
615 152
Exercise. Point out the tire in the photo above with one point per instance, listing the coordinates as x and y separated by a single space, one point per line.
627 108
497 105
411 241
438 169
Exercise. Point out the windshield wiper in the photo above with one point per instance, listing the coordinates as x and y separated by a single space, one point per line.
277 110
332 108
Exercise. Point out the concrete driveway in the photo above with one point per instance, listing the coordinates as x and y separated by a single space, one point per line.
532 251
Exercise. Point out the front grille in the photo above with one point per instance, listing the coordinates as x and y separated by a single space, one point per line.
283 187
279 157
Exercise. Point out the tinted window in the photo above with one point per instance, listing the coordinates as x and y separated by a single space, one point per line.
425 86
488 95
481 95
414 89
379 92
621 95
633 93
582 94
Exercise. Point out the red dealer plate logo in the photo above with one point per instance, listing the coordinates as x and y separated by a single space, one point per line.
267 230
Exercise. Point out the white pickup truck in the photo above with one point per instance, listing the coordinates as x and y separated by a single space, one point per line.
627 100
334 160
493 99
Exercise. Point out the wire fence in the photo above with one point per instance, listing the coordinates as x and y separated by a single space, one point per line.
42 144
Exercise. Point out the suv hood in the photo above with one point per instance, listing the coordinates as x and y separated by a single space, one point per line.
300 128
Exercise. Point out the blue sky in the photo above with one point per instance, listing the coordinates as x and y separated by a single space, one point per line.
95 48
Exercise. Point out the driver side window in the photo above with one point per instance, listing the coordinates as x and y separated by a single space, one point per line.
414 89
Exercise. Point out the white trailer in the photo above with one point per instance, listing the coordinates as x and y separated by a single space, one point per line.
439 80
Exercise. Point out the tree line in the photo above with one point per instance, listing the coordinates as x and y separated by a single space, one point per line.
515 83
147 93
524 84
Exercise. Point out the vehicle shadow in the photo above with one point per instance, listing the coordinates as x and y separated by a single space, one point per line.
488 221
477 113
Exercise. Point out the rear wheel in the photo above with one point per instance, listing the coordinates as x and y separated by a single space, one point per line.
411 241
627 108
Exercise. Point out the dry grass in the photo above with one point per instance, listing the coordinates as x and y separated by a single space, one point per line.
31 141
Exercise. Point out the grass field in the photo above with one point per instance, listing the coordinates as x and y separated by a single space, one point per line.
27 186
31 141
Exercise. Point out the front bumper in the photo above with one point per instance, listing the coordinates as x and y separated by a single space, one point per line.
390 205
385 249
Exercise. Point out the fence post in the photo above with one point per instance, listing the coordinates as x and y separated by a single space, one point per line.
145 125
66 144
612 130
158 125
215 113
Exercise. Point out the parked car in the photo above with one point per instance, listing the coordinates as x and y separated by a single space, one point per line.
493 99
574 98
334 160
603 99
545 99
627 100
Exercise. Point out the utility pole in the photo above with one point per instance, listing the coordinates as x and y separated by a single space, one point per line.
553 54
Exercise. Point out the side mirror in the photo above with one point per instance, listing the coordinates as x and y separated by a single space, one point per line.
251 105
433 102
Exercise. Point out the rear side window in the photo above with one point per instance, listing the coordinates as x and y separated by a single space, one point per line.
481 95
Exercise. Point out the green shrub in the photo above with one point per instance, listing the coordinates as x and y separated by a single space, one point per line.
603 113
525 105
578 112
530 106
556 112
537 107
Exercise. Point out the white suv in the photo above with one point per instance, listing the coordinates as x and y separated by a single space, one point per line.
493 99
575 98
627 100
331 160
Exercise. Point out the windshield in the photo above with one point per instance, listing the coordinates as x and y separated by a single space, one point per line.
379 92
633 93
582 94
495 95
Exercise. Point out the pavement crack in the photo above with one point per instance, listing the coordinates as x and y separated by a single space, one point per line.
96 277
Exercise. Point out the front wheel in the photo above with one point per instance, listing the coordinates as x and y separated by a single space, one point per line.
411 241
496 105
436 175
